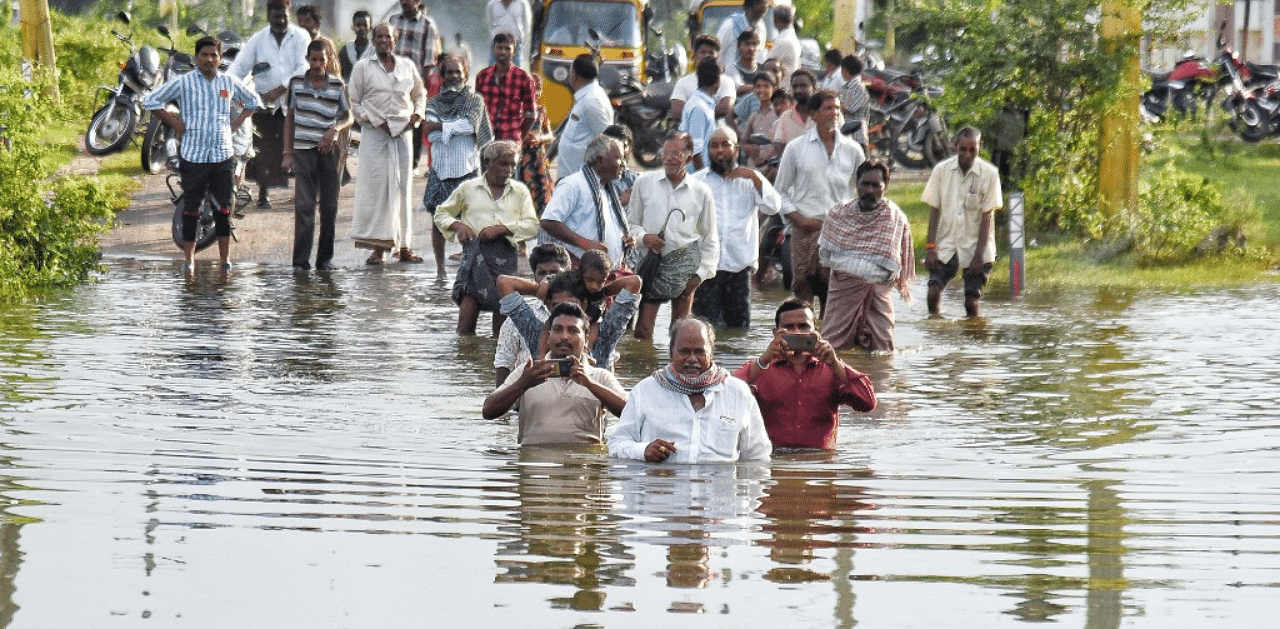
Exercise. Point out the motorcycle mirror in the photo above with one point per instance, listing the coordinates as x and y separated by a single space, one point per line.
759 139
647 13
850 126
164 30
123 17
193 29
593 33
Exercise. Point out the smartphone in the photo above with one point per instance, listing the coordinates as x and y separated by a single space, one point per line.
565 366
800 342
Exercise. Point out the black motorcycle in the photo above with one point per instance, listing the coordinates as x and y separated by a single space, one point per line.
158 134
117 120
643 108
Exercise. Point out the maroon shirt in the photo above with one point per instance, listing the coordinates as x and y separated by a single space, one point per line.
801 409
507 97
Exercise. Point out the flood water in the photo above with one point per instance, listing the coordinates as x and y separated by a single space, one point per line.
280 450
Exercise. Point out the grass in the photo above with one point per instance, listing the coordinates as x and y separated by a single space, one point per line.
1244 171
117 172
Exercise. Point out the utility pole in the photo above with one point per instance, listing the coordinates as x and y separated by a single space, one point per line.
37 38
1120 159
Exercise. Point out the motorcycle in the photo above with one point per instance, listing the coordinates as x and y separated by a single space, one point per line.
643 107
242 146
1192 79
902 122
117 120
154 141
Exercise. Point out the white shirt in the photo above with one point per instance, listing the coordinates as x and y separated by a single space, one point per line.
812 182
726 429
728 34
287 58
571 204
962 200
786 49
591 113
513 19
688 84
736 204
653 198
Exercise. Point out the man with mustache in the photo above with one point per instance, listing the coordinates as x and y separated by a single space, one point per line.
692 410
867 245
561 397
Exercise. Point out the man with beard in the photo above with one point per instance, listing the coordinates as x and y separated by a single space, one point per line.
794 123
816 172
561 398
585 212
489 216
691 411
800 382
284 47
674 216
387 98
739 193
507 91
457 126
867 245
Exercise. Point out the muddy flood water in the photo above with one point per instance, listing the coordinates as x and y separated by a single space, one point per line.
279 450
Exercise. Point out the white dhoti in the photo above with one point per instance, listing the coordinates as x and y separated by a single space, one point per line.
383 214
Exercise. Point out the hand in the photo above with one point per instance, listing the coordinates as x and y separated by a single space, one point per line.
824 352
464 233
579 373
776 350
976 266
327 141
287 162
742 172
659 450
537 372
415 120
493 232
625 197
931 260
654 242
588 245
628 241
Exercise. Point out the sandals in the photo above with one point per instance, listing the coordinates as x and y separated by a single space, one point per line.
407 255
375 258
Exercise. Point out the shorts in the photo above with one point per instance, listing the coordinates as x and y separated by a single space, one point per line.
973 282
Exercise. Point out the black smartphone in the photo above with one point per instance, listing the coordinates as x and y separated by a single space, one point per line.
565 365
800 342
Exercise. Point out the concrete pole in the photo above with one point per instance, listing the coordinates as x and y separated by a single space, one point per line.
37 38
1118 175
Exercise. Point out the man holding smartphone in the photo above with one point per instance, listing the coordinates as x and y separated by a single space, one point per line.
561 398
800 382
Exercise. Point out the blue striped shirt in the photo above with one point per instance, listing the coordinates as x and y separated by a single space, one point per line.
207 108
315 111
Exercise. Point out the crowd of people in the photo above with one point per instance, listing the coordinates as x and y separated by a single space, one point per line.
607 246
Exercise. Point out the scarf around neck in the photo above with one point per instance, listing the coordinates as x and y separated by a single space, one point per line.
672 380
593 182
461 102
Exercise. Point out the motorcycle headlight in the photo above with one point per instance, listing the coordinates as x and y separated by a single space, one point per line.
560 74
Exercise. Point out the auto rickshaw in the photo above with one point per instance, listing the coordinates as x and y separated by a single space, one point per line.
563 29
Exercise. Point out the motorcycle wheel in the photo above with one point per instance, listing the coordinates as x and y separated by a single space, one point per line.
205 232
154 153
911 142
1253 123
110 129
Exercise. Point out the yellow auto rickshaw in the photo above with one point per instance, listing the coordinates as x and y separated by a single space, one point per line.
563 29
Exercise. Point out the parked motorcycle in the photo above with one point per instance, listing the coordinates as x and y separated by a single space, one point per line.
902 122
157 135
643 108
242 146
117 120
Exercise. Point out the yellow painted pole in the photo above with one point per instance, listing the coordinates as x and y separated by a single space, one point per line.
1118 178
844 26
37 37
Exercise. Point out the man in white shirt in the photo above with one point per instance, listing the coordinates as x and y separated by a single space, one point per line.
705 46
673 215
561 398
691 411
590 115
786 45
510 17
816 172
739 192
699 116
284 47
751 17
585 212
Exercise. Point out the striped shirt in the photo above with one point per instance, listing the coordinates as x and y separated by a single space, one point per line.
315 111
207 107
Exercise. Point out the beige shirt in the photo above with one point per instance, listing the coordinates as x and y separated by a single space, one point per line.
653 197
378 96
561 410
962 200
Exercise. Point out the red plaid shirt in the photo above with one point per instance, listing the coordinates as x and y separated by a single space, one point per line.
508 98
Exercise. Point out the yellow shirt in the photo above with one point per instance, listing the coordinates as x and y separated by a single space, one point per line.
472 204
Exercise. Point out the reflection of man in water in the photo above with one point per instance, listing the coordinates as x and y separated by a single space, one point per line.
555 408
691 411
800 390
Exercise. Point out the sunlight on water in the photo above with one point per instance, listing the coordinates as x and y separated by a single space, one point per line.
299 451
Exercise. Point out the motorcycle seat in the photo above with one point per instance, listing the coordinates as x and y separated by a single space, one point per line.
658 95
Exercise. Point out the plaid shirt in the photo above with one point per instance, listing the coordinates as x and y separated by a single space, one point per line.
509 98
417 38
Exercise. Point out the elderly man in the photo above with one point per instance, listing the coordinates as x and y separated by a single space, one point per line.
591 114
457 125
800 382
417 39
387 98
585 212
674 215
284 47
751 17
692 410
867 245
489 216
561 398
963 194
816 172
741 195
507 91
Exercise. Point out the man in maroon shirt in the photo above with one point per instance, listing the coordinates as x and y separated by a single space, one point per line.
800 382
507 92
